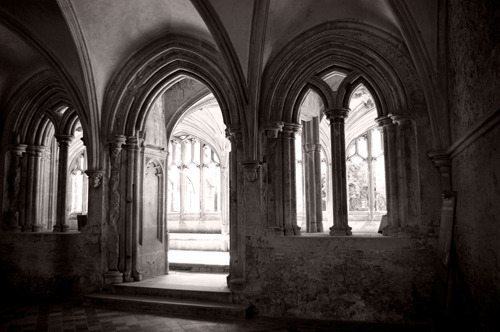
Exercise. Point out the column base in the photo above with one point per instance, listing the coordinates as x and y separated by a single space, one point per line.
138 276
289 231
113 277
27 229
127 277
296 230
37 228
65 228
340 231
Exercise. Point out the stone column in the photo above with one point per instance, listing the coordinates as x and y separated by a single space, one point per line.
236 276
295 128
113 275
272 177
288 162
317 174
33 204
137 227
131 147
391 176
14 185
340 213
409 187
62 183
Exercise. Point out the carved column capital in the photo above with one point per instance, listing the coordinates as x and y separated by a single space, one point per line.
250 170
337 114
132 143
312 147
64 140
17 149
35 150
272 128
233 133
117 141
292 129
402 120
96 176
386 123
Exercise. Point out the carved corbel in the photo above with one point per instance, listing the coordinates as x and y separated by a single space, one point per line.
442 161
250 170
96 176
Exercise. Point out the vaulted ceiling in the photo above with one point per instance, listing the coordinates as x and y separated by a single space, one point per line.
87 41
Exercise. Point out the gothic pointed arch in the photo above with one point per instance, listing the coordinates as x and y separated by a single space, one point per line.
378 57
159 65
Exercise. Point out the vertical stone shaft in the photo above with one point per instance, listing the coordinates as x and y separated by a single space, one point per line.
295 130
131 147
62 184
340 224
287 159
237 239
35 177
391 176
310 178
137 226
411 196
317 174
112 243
14 185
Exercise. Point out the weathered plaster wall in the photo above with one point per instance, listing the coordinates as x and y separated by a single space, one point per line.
474 82
50 264
340 278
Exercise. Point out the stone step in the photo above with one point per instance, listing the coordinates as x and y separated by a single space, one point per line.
185 292
206 268
175 306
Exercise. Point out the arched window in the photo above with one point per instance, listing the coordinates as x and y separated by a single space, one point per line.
364 164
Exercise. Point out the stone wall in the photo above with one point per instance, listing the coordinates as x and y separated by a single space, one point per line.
341 278
474 83
50 264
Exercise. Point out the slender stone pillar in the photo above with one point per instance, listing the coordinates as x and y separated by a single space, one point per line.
288 163
317 174
340 224
137 227
391 176
236 277
62 184
14 185
295 128
131 147
273 177
33 206
409 198
312 169
113 275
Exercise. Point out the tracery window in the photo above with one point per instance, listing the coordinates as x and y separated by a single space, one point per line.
366 173
194 177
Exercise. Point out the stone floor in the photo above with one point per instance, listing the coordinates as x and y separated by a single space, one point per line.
74 316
